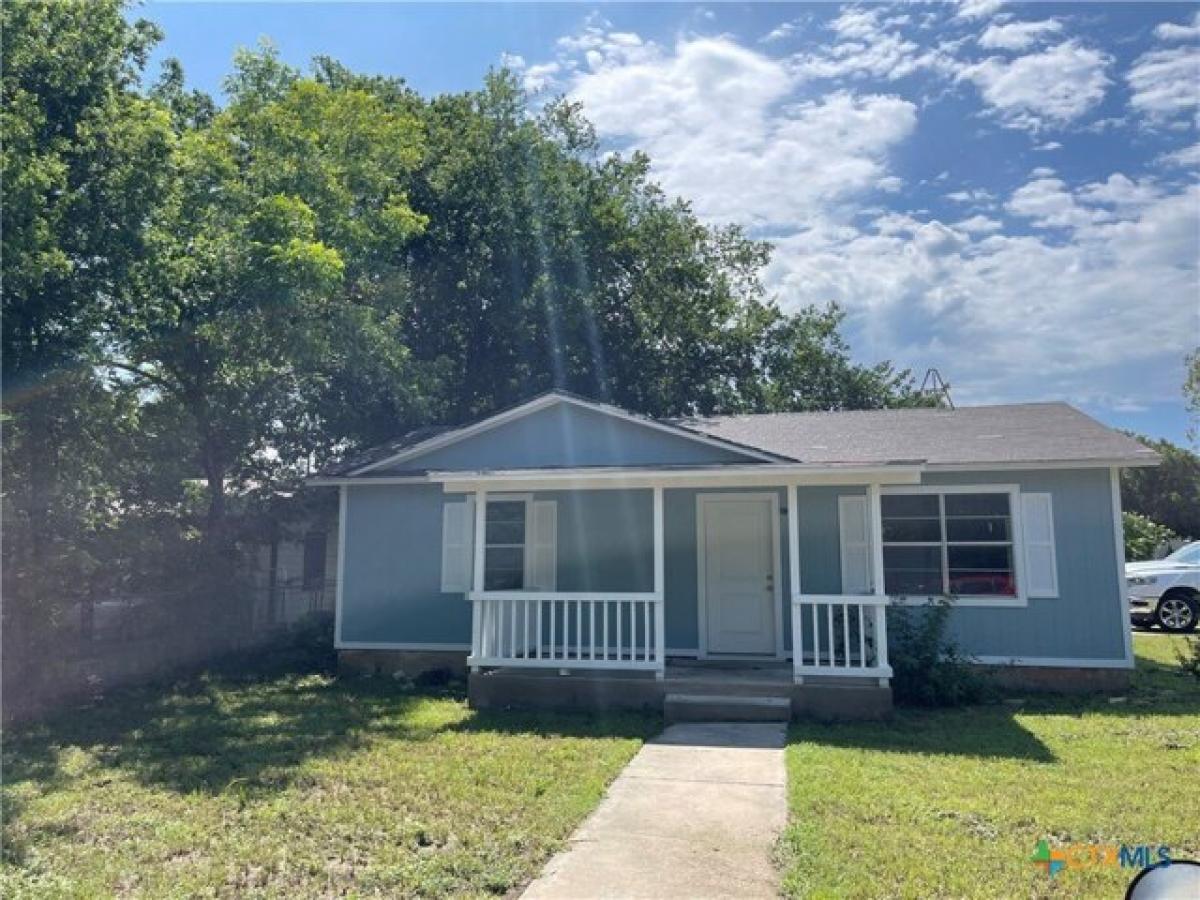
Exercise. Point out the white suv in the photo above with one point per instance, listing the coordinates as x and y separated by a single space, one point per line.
1166 592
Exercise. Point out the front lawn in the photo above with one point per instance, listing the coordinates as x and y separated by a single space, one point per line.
297 786
953 803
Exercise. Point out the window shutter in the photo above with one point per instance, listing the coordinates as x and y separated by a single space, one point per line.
854 538
542 546
1037 529
458 524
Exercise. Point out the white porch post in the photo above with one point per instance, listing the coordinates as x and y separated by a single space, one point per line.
477 575
660 640
875 522
793 511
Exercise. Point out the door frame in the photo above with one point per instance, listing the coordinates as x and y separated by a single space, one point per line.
703 501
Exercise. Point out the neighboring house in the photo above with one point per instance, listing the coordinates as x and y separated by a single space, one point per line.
570 552
293 575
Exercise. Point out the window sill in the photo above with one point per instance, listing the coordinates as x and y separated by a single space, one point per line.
965 602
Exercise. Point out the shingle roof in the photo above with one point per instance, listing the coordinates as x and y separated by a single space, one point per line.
1013 434
383 451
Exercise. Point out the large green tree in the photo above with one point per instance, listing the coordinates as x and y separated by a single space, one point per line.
1169 493
277 248
84 158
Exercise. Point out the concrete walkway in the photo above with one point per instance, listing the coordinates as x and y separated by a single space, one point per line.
695 814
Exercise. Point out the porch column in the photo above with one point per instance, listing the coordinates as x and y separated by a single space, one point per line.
480 540
660 639
793 514
875 522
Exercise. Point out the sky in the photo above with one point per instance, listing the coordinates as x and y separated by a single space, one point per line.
1004 191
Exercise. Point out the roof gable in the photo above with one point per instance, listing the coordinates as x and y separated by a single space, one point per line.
558 430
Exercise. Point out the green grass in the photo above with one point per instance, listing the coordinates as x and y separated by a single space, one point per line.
297 786
952 803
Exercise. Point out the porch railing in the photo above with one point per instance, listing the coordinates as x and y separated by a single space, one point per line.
836 634
567 630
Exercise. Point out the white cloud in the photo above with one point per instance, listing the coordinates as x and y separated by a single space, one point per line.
1102 317
1049 145
1170 31
973 195
977 9
978 225
1166 83
541 77
1186 157
870 44
717 120
513 61
1018 35
1053 87
780 32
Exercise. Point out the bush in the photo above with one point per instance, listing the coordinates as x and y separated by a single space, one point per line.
1190 658
928 669
1143 536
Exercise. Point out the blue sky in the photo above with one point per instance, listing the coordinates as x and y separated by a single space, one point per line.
1005 191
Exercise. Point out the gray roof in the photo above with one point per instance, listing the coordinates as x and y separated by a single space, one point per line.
983 435
383 451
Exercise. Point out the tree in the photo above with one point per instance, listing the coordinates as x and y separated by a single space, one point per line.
1143 537
1168 493
84 155
1191 394
286 218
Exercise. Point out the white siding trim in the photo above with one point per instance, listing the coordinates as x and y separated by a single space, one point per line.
1118 526
341 566
1053 662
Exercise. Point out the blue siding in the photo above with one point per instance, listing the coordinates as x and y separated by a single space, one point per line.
569 435
391 587
1085 620
393 564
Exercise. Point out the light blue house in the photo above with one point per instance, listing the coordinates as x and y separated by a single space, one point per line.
569 549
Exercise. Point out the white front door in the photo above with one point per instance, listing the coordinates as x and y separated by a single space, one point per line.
738 560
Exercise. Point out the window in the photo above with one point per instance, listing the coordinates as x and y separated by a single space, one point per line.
948 543
520 550
504 552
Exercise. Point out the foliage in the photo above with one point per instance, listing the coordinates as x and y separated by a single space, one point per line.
1143 537
1189 655
1168 493
927 667
1191 394
952 803
298 786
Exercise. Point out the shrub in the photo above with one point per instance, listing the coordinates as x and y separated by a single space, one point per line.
1190 658
928 669
1143 536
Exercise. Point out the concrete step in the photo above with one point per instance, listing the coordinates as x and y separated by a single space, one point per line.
725 708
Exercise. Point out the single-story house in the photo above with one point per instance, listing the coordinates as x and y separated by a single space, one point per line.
566 551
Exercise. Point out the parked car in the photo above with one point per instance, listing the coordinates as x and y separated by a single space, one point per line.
1166 592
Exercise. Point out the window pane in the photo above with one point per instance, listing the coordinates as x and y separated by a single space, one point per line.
911 530
505 511
909 505
912 570
506 532
981 571
976 504
979 529
503 580
504 569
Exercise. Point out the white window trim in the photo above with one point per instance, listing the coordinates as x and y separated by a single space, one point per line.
1018 542
527 499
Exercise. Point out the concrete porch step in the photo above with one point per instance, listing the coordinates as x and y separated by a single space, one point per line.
725 708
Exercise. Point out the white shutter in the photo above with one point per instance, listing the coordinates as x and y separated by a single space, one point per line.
542 551
458 524
1037 531
855 541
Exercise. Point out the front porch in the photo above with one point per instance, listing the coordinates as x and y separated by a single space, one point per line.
721 560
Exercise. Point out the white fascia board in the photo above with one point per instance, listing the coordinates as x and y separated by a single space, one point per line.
774 475
1129 462
543 402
